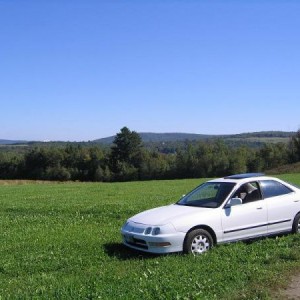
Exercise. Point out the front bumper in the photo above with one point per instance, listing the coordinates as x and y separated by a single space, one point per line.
135 236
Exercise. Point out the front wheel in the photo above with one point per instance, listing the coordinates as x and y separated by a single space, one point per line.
296 224
197 242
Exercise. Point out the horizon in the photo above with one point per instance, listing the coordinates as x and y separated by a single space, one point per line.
80 70
158 133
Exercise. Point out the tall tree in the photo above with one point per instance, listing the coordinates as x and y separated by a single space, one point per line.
126 153
294 150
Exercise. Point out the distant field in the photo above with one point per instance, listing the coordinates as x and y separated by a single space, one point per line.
271 140
63 241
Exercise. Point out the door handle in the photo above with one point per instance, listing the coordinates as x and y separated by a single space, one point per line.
259 208
296 200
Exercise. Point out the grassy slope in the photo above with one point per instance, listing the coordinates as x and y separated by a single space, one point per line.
290 168
63 241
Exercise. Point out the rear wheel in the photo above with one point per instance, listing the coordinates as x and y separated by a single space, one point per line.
296 224
197 242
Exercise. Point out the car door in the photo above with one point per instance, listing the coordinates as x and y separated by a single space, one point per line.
246 220
281 205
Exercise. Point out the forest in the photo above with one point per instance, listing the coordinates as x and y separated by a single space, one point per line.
128 159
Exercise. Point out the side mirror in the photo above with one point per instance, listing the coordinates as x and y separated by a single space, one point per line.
233 202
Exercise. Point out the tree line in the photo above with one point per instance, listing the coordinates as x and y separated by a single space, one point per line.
128 159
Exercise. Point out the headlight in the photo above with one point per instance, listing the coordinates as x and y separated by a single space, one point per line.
153 231
148 230
156 231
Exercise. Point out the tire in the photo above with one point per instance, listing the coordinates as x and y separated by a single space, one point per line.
197 242
296 224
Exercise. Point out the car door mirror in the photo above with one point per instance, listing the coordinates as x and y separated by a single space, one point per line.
233 202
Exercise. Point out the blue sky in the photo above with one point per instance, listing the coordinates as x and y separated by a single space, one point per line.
82 69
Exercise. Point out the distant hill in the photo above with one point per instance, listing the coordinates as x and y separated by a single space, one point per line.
161 137
254 137
10 142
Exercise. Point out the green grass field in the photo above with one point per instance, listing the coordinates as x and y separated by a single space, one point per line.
63 241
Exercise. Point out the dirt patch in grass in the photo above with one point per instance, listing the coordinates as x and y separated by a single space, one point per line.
23 182
285 169
293 289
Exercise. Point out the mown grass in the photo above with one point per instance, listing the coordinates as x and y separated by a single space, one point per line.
63 241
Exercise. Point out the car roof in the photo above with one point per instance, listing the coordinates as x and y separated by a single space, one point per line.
244 177
248 177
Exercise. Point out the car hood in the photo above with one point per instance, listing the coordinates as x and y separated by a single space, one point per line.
166 214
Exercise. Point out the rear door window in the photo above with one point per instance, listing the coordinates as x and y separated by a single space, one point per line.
272 188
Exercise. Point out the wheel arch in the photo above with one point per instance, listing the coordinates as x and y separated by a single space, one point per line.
294 230
205 227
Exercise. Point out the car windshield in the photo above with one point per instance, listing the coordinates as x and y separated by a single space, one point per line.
209 194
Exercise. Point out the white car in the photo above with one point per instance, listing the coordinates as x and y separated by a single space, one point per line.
222 210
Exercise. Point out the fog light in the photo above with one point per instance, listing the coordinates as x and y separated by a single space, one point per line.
159 244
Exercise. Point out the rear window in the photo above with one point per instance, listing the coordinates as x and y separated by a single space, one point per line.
272 188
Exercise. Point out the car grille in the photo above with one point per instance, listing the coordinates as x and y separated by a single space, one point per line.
137 243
